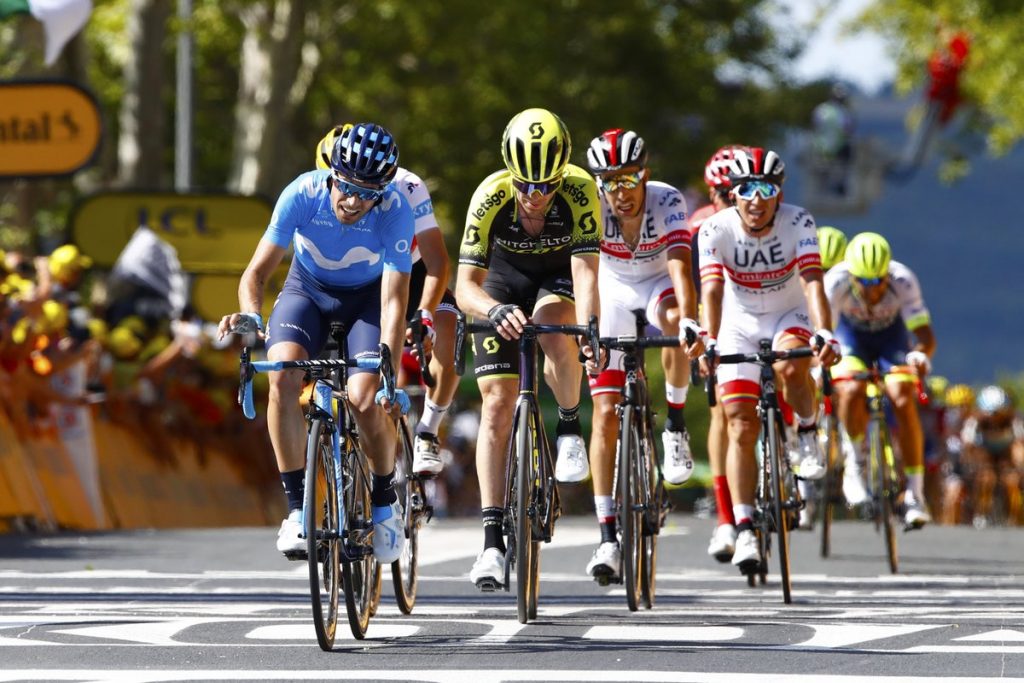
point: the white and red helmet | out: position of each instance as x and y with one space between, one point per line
716 171
615 149
757 163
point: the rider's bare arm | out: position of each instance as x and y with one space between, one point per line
435 258
394 297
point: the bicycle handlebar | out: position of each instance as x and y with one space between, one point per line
462 327
763 357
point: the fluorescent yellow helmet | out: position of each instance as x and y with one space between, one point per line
868 255
536 146
959 396
832 245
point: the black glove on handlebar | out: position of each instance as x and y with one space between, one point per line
499 313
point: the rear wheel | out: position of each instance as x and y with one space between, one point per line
654 493
362 572
630 513
404 573
525 546
779 509
323 546
831 484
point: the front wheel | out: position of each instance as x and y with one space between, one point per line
630 512
779 508
654 493
887 489
525 546
323 547
831 485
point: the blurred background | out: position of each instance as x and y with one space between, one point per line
143 143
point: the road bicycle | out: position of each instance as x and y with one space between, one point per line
641 502
777 501
336 514
531 495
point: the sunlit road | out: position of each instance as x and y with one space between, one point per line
221 605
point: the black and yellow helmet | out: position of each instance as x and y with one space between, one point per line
326 146
536 146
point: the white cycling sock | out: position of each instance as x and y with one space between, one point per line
431 418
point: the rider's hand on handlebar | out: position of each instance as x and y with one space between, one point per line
508 320
427 324
700 337
240 323
592 364
709 360
919 361
827 348
400 406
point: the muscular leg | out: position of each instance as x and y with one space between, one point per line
285 422
498 400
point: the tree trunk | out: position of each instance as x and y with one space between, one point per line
270 72
141 141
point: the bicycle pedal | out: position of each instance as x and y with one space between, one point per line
488 584
750 567
296 555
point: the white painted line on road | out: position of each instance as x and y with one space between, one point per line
968 649
447 676
501 632
306 633
152 633
1002 635
844 635
665 634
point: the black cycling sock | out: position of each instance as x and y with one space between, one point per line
608 532
294 484
569 421
675 422
493 537
745 526
383 490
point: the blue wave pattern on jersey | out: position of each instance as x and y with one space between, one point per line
335 254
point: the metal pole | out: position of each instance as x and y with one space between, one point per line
183 116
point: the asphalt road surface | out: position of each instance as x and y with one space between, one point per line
222 605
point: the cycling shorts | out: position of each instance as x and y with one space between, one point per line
888 347
417 280
742 332
305 309
494 356
618 301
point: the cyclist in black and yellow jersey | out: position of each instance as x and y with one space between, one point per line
530 250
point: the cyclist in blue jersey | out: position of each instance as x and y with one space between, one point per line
352 231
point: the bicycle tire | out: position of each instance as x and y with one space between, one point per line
888 489
405 570
523 523
779 510
830 484
654 495
630 513
323 547
361 574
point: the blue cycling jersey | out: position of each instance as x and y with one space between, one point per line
335 254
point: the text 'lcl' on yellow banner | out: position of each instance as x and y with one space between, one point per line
47 128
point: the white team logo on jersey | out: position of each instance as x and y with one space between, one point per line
352 257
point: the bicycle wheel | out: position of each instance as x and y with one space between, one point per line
524 545
360 571
323 547
888 492
404 570
778 506
830 485
630 511
654 497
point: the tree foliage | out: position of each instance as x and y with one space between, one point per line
990 83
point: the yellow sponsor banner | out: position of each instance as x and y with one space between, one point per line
213 233
217 295
47 128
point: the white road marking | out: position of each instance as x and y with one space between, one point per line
667 634
306 633
845 635
1003 635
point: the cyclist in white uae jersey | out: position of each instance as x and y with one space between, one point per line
761 278
429 296
645 264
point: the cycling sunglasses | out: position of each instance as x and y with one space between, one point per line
348 189
869 281
625 181
750 188
543 188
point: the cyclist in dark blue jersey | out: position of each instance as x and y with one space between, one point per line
352 232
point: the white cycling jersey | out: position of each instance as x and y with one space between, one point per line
415 190
902 298
663 227
761 274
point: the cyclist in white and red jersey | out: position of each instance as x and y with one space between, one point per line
645 265
878 305
723 539
429 297
761 278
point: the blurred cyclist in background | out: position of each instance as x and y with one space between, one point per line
993 444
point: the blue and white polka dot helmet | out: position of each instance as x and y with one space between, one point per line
366 153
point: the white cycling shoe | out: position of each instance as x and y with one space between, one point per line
604 565
806 457
288 540
723 543
915 515
572 465
426 456
678 466
747 555
488 572
388 532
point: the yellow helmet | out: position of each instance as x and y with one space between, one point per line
868 255
326 146
66 262
959 396
536 146
832 245
937 386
